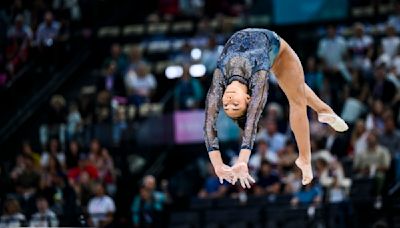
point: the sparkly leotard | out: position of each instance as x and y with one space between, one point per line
247 57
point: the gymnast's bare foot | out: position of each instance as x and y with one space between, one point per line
306 171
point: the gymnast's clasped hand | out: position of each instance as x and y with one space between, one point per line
238 172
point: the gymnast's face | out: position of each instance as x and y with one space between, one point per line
235 101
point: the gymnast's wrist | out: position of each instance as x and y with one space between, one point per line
244 156
215 158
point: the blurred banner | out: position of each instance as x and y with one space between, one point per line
183 127
295 11
189 126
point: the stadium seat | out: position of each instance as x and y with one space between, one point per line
197 203
109 31
159 46
226 203
182 26
157 28
133 30
184 219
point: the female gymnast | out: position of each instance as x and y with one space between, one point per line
240 87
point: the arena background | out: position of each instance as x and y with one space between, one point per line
102 115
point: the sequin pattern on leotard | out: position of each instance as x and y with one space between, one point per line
247 58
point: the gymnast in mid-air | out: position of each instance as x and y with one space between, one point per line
240 87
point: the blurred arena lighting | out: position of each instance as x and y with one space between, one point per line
173 72
195 53
197 70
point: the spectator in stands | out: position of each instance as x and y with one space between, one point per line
188 91
395 64
356 94
148 205
382 88
26 184
101 159
270 134
101 208
210 55
47 32
57 111
19 37
140 85
373 162
84 167
361 48
287 156
358 140
12 216
292 181
184 55
332 50
73 154
56 119
119 124
102 109
390 43
44 217
117 56
310 194
136 58
111 80
313 75
63 199
374 120
86 108
331 176
212 187
336 186
262 153
268 182
74 121
19 7
28 151
390 136
394 19
55 151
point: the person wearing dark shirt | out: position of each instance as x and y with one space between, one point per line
268 182
382 88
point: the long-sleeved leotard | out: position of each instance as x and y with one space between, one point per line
247 58
258 87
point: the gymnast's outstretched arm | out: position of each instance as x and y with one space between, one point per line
213 105
258 87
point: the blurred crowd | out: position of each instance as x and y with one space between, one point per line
71 180
38 28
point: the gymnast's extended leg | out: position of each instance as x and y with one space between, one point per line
289 73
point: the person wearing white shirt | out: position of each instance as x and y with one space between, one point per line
101 207
140 84
12 216
44 217
332 50
53 151
390 43
262 153
361 48
275 139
